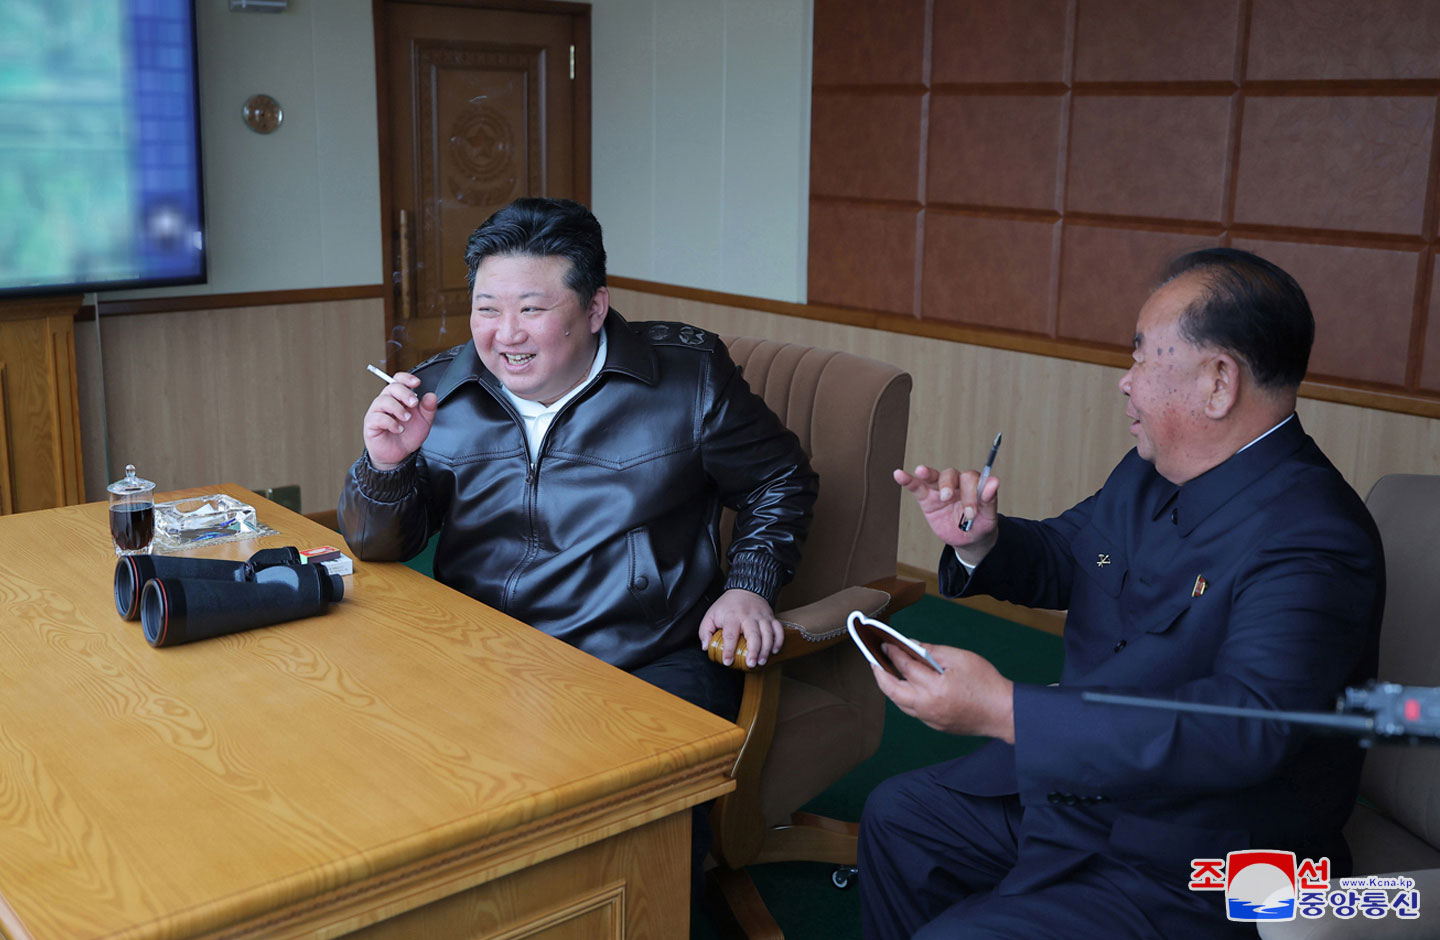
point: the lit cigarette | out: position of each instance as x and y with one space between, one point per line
388 379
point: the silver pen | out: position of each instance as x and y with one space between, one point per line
980 489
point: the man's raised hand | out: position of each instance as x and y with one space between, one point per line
398 422
946 497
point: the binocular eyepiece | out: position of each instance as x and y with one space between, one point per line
179 600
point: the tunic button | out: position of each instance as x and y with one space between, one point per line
641 583
1053 797
1119 645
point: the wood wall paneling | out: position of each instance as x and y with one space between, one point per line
41 462
1063 420
1430 373
264 396
1130 131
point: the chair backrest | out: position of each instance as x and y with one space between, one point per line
850 414
1404 782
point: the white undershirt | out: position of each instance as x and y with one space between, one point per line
537 418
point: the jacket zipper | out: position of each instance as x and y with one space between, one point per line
532 489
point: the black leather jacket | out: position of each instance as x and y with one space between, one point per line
609 540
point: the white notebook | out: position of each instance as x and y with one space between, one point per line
868 634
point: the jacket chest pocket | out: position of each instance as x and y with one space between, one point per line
1147 600
1102 559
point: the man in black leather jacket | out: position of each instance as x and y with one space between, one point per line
575 465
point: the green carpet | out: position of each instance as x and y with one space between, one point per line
800 895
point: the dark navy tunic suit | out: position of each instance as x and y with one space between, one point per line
1259 583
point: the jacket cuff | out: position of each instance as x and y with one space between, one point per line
385 486
756 572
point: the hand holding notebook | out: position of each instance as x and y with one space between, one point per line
869 634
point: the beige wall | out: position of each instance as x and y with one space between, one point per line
1062 420
260 396
299 208
701 146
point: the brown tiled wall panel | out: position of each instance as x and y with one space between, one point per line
1347 163
869 43
1362 299
1060 152
1156 40
1430 372
1150 156
987 150
988 272
865 146
1106 274
1313 40
1015 41
862 256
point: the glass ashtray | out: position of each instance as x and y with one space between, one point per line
203 518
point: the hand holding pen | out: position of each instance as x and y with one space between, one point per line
952 501
969 519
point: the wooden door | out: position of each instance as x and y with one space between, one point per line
40 461
481 103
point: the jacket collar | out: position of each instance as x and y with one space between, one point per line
628 354
1198 499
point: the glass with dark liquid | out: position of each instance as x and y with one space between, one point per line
132 514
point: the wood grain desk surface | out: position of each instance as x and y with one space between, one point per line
177 792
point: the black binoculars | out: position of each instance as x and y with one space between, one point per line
179 600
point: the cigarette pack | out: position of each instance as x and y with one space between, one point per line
331 557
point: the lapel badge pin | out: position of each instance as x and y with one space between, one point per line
1102 561
1200 585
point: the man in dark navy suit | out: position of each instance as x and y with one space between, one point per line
1224 561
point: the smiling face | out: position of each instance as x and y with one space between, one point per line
1169 386
530 328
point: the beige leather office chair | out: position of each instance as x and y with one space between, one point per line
813 712
1396 827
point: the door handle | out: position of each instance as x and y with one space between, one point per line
405 308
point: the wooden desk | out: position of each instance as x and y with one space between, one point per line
410 764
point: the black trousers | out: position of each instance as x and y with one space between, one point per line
931 858
691 675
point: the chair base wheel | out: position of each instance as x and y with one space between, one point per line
842 876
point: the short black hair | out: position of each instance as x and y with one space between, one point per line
541 228
1251 309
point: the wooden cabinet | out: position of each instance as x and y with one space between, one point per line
40 463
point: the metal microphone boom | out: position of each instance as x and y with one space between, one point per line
1384 712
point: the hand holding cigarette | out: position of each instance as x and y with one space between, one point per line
398 421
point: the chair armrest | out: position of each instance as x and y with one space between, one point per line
811 628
